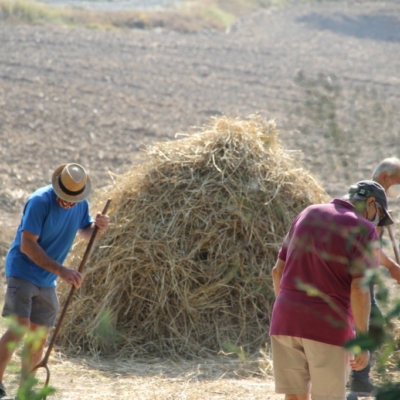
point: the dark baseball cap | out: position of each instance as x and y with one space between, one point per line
364 189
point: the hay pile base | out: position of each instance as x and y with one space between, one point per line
184 270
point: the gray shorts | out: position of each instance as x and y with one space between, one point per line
26 300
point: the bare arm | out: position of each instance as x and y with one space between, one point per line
277 272
31 248
101 222
391 265
360 299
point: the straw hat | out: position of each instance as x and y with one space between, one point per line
71 183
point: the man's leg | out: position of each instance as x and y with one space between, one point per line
329 369
33 350
291 372
43 315
39 309
17 304
9 342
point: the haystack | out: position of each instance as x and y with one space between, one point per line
196 226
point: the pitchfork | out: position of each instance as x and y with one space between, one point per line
43 363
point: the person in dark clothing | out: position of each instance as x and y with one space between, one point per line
387 174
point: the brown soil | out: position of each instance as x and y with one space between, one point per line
97 97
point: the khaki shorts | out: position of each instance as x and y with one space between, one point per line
26 300
305 366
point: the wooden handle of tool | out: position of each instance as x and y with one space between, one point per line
395 248
92 239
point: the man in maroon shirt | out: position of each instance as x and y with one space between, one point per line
320 296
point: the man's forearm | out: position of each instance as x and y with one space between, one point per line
360 306
390 265
386 261
277 272
33 250
101 222
87 232
276 276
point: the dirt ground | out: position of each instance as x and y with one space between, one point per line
97 97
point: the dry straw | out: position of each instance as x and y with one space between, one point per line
184 270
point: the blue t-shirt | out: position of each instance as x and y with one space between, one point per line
56 228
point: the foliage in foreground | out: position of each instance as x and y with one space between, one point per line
382 338
30 390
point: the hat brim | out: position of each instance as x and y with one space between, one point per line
64 196
387 219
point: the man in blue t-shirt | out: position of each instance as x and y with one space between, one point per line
51 218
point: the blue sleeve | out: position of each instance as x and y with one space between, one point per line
86 218
34 216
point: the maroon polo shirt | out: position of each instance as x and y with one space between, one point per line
327 246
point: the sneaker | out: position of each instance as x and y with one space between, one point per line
361 388
2 390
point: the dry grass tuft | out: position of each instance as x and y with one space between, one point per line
185 268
